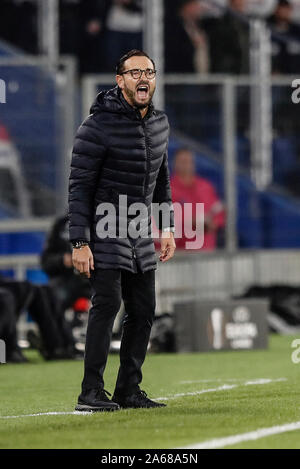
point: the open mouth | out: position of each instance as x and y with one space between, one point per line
142 91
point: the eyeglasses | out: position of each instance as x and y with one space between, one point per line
136 73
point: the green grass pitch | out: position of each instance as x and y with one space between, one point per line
189 418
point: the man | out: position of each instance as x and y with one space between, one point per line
19 24
285 40
187 187
92 18
120 151
228 39
186 45
56 260
8 328
123 28
38 300
67 287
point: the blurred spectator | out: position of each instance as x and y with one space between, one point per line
109 29
187 187
186 51
14 195
7 20
8 328
186 48
67 286
285 40
228 38
70 26
92 15
124 26
195 42
18 24
56 339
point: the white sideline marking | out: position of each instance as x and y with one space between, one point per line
250 436
217 380
44 413
224 387
264 381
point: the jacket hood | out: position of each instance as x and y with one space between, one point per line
113 101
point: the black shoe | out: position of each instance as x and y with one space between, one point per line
34 340
56 354
138 400
16 356
95 400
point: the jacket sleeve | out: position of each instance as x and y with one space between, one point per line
162 195
87 159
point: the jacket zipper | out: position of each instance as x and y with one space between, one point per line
147 171
133 253
147 160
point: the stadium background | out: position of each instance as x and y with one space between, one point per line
239 121
215 115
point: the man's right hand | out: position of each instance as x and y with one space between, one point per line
83 260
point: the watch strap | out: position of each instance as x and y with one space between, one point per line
79 244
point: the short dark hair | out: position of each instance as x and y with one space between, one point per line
284 3
131 53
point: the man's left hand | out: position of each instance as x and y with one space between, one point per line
167 246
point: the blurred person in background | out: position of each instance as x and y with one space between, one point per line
8 328
123 29
229 45
228 39
8 20
70 29
92 17
19 24
186 45
187 187
186 51
196 42
109 29
54 341
56 260
285 39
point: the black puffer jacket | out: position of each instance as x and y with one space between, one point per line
116 152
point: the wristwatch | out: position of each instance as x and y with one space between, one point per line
168 229
79 244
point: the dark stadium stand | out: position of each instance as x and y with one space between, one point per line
32 120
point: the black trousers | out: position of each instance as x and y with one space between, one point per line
138 293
